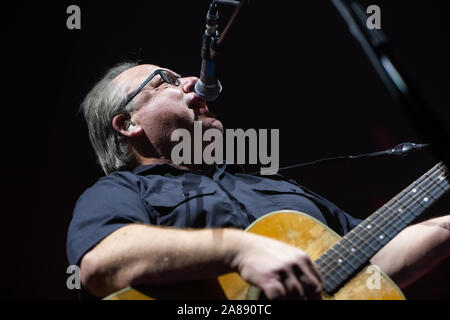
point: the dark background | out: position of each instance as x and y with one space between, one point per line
291 67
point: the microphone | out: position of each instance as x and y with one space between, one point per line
208 87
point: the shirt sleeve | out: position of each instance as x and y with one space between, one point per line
110 204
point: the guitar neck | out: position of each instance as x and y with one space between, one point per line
358 246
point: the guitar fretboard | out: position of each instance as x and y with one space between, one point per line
358 246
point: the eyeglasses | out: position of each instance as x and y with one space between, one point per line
165 75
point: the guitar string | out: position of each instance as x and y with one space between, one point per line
378 215
332 255
350 262
341 249
378 219
331 258
353 260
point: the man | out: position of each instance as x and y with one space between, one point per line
150 221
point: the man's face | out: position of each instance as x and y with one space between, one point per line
162 107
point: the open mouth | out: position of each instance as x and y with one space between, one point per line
197 103
205 113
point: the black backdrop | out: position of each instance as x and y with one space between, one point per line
294 68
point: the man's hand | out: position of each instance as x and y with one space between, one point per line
280 270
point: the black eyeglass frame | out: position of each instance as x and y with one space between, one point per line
162 73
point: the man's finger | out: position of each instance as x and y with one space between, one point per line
294 288
309 281
273 290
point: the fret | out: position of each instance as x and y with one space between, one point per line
431 193
341 273
352 263
355 237
443 190
352 254
376 227
436 180
330 283
399 224
388 226
429 197
354 248
417 197
387 221
333 257
399 208
420 190
330 259
341 259
415 206
338 276
444 182
375 241
363 241
413 196
326 261
340 262
382 237
385 235
405 212
392 227
360 244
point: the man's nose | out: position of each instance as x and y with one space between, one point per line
188 84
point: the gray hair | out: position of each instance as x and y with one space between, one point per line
101 105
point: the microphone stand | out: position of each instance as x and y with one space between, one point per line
215 41
375 45
209 87
218 45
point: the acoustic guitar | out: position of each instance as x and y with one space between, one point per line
342 261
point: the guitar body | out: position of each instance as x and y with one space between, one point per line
294 228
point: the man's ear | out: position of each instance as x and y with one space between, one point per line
123 124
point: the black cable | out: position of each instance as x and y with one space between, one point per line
402 149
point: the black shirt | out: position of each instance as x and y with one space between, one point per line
166 196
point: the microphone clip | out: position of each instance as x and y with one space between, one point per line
209 87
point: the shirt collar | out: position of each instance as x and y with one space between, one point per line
158 168
162 168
